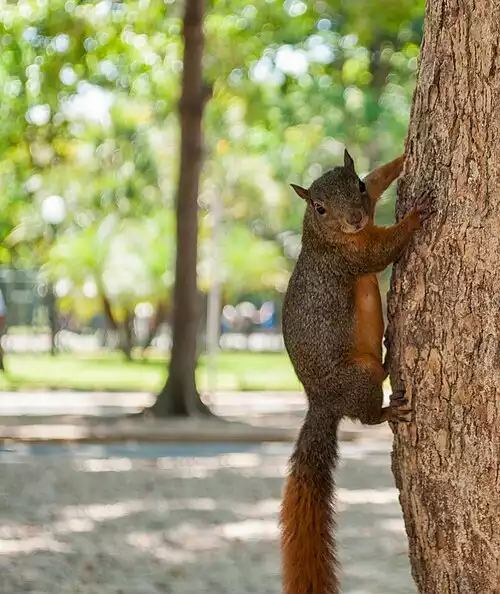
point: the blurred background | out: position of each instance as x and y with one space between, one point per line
89 160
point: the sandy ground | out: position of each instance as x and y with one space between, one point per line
96 417
156 519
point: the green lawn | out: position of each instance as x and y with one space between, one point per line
109 371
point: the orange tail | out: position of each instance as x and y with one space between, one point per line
307 514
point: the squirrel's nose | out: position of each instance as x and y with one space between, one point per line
355 217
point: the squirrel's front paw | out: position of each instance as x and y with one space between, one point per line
425 205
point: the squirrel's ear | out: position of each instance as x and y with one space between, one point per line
348 162
302 192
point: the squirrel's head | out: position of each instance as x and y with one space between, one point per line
339 199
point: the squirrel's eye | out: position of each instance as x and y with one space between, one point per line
362 187
319 209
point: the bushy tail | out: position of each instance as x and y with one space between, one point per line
307 514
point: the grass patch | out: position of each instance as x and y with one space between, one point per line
109 371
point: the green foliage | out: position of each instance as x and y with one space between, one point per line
236 371
247 262
88 104
127 260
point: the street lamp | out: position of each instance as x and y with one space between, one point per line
53 211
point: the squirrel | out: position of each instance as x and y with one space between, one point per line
333 330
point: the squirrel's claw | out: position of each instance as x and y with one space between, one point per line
425 205
398 398
401 415
400 408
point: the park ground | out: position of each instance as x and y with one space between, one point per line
155 519
175 515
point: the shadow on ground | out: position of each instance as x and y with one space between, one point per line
156 518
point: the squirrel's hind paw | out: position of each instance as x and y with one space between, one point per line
400 408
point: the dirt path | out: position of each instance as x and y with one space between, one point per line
179 519
95 417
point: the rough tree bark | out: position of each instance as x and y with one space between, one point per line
444 306
179 395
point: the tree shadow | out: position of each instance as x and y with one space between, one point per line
142 519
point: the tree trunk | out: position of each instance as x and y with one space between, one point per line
3 330
123 331
126 333
179 395
444 307
159 317
53 318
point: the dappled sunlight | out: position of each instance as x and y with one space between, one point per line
176 545
195 504
251 530
153 544
248 464
105 465
26 538
367 496
182 543
194 537
395 525
32 544
260 509
360 450
103 512
245 463
45 432
184 521
70 525
240 460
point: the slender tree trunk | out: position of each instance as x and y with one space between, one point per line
159 317
179 395
53 321
3 330
126 332
111 323
111 328
122 331
444 307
